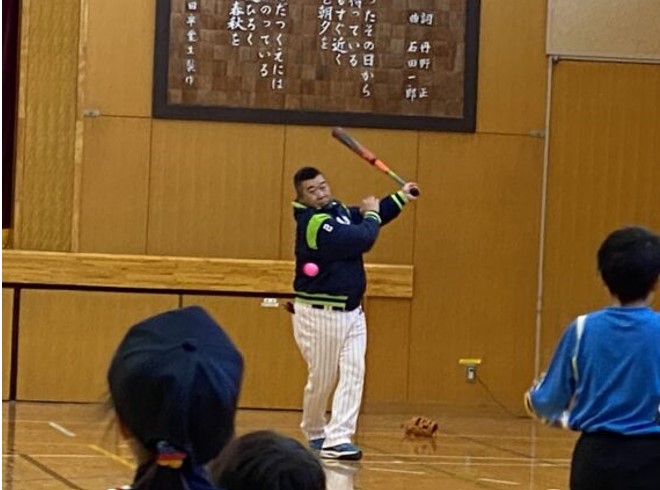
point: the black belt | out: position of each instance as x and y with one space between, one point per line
328 307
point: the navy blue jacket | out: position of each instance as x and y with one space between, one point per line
334 238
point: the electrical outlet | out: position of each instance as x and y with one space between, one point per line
270 303
470 364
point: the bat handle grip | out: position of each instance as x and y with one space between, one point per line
414 191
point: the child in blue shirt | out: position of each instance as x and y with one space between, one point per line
604 377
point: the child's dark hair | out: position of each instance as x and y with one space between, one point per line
266 460
629 263
303 174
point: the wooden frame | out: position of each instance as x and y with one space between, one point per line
177 274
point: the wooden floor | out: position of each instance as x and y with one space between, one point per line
64 446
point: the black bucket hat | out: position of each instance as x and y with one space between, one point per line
174 382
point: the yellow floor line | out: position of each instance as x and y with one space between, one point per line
113 456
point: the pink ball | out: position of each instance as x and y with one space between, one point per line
310 269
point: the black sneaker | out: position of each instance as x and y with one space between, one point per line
341 451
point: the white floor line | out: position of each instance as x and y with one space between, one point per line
52 444
503 482
472 463
61 429
34 455
475 458
398 471
440 435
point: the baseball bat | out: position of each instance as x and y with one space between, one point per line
367 155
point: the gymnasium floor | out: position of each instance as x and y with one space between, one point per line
72 446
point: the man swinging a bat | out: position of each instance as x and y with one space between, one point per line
328 322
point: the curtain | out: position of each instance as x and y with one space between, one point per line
10 26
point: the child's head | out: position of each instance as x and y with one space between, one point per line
629 263
265 460
174 382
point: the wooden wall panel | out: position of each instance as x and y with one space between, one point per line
119 57
7 323
224 190
44 192
604 173
67 339
215 190
388 338
476 251
352 179
115 185
512 67
275 373
604 28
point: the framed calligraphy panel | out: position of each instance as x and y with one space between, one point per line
367 63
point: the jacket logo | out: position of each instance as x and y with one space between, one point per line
328 227
343 220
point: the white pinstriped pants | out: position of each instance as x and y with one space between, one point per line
332 343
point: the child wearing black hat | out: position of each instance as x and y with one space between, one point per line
174 383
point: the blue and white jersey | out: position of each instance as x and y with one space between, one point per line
608 377
334 238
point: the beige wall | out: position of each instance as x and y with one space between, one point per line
7 319
138 185
604 28
475 256
604 173
67 339
275 372
46 125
